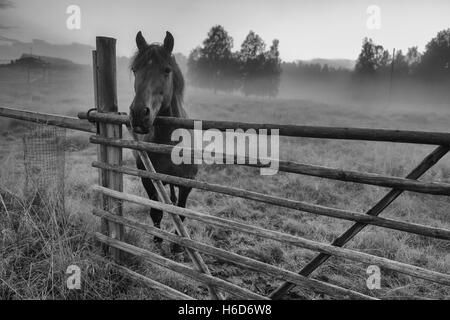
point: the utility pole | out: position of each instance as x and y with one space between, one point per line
28 73
28 65
392 76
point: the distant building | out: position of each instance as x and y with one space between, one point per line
35 61
30 61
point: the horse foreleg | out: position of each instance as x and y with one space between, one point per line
155 214
173 194
183 194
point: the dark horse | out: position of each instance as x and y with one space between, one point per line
159 87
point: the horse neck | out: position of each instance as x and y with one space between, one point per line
176 110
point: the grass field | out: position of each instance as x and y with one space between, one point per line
37 246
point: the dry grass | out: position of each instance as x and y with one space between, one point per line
38 245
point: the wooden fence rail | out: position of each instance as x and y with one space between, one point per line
231 257
48 119
180 268
159 288
428 162
284 238
362 134
283 202
365 134
292 167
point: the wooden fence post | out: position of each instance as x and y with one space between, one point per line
105 85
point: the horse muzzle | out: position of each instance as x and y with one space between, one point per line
140 120
140 130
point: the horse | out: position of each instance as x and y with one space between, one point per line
159 90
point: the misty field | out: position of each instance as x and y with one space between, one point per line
36 249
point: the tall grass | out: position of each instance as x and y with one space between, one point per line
39 241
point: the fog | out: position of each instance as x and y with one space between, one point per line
68 90
400 94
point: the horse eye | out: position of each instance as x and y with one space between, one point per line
167 70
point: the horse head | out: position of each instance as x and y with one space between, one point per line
156 75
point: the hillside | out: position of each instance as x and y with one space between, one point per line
76 52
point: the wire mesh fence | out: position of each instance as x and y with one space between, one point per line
44 162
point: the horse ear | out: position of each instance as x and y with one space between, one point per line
168 42
140 41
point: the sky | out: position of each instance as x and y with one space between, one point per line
306 29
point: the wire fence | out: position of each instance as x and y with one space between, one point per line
44 162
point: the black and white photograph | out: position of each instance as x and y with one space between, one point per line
163 151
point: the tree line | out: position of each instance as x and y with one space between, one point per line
257 71
314 72
252 70
432 65
377 63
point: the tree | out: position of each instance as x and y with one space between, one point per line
435 62
213 65
252 47
401 66
218 59
413 58
383 62
251 60
217 46
371 59
272 69
195 74
254 70
260 69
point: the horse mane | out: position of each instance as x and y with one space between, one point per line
156 52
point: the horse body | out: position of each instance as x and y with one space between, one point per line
163 162
159 87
